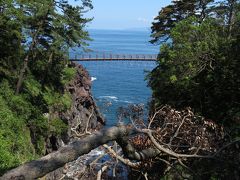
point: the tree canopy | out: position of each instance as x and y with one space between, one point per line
198 67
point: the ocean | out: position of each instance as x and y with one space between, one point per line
119 83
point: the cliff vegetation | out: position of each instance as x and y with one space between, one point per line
34 40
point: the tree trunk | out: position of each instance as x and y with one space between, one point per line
38 168
49 65
231 16
55 160
203 7
22 73
26 60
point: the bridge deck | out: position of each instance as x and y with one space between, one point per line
113 57
108 59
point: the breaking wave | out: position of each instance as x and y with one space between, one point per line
114 98
93 78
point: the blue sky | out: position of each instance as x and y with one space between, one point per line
124 14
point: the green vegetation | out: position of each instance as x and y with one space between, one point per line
198 66
15 138
34 40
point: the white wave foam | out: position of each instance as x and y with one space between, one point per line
129 102
93 78
114 98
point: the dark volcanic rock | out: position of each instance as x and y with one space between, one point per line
84 110
83 113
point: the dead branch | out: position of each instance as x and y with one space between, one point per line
123 160
86 132
172 153
179 136
99 174
86 128
151 119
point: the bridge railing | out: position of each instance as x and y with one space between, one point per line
104 56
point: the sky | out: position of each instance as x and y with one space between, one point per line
124 14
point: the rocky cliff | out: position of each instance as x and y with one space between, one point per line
82 118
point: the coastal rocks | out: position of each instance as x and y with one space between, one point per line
83 118
84 115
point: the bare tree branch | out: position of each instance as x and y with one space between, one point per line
123 160
86 132
99 174
172 153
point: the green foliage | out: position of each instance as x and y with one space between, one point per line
58 127
57 101
33 87
10 43
194 70
170 15
15 140
18 104
68 75
66 101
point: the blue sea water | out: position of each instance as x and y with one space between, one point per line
119 83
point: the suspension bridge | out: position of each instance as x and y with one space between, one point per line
114 57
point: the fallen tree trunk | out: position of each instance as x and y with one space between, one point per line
38 168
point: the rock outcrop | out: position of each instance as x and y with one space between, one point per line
82 118
84 114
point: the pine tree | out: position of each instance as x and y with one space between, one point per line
51 26
10 40
174 13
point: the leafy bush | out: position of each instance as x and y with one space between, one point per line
23 128
58 127
15 139
57 101
68 74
